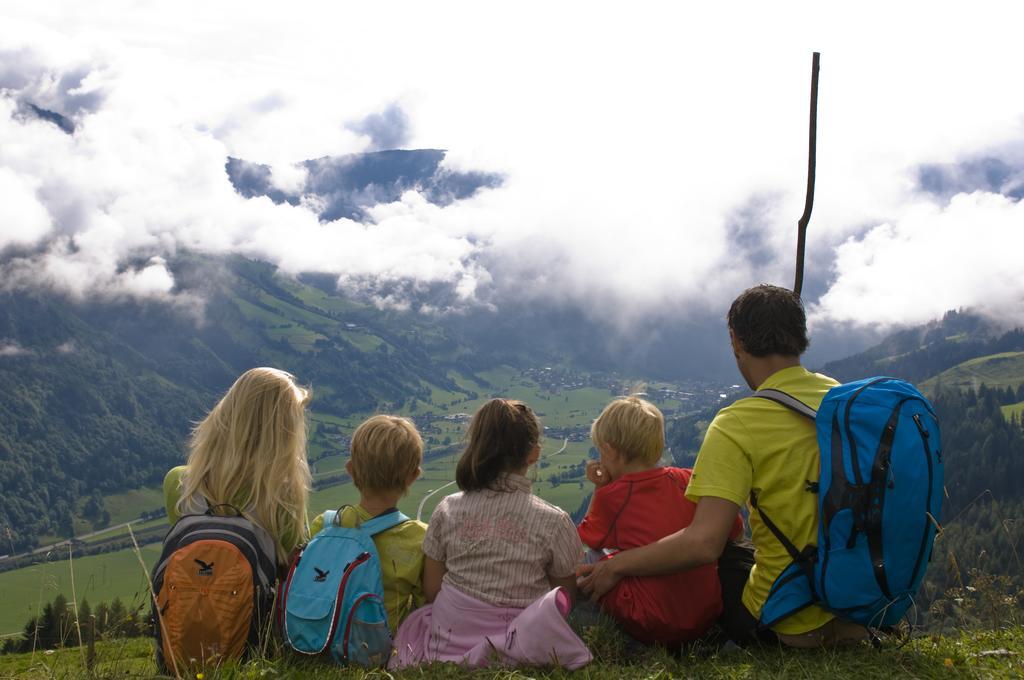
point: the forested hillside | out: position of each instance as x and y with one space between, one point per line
100 397
983 513
919 353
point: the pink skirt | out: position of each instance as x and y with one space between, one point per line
460 628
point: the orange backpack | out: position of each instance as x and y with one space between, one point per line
214 584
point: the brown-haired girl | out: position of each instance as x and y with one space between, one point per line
494 551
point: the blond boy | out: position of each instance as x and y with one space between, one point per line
386 455
637 502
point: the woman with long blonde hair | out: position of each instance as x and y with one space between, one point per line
249 452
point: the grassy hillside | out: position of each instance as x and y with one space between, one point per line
1005 369
1013 410
988 654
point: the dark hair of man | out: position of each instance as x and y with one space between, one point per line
501 436
769 320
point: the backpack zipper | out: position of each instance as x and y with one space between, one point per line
337 599
285 587
849 435
928 501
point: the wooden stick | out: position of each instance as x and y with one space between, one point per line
812 148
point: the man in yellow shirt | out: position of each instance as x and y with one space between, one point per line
756 446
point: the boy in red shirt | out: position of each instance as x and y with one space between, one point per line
637 502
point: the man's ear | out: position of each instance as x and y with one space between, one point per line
348 467
414 476
737 346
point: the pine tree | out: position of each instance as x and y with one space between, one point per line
102 618
118 618
48 628
84 612
30 635
63 619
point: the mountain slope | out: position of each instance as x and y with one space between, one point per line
918 353
1005 369
99 397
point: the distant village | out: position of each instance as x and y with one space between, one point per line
675 400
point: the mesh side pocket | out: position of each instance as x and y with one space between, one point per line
368 639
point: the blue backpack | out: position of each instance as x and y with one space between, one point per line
333 597
879 498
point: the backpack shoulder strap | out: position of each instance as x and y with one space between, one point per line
381 523
789 401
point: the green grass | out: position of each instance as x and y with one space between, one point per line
996 370
97 578
350 422
366 342
318 299
126 506
293 312
256 313
330 465
299 337
571 408
1013 410
123 531
960 655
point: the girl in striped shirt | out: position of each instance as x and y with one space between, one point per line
491 551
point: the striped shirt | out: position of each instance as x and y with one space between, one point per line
501 547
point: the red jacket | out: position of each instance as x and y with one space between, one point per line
633 511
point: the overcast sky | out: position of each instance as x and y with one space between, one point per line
653 155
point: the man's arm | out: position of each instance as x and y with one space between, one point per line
698 544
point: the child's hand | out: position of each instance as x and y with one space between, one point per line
596 473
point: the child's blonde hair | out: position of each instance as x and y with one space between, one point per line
632 426
386 453
250 452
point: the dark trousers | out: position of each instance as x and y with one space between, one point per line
736 622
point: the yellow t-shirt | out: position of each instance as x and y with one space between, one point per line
760 445
401 561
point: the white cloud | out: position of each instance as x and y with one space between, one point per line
932 259
23 220
289 178
629 139
10 348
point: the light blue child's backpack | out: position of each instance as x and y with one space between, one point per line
332 598
879 498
